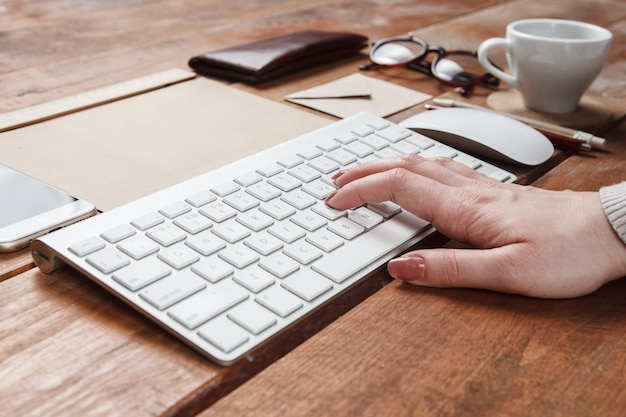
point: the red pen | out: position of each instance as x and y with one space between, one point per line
566 143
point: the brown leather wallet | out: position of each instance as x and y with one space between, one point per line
271 58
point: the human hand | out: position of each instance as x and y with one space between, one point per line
541 243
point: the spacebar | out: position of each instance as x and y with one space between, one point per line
366 249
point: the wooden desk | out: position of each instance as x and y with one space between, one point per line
68 348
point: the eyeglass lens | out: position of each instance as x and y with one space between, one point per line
397 52
457 68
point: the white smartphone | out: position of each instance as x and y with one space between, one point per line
30 208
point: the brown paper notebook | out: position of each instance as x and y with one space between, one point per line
117 152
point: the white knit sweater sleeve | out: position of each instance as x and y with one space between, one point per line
613 199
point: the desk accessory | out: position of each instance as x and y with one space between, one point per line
562 135
552 61
239 254
22 117
274 57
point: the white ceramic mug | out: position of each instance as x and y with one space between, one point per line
552 61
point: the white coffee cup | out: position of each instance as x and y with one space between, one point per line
552 61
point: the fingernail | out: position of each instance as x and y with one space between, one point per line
330 197
410 269
337 175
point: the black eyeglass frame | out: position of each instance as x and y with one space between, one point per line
420 64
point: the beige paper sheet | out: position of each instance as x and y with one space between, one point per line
118 152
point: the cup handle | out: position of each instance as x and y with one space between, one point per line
483 58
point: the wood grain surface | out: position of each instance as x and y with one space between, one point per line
68 348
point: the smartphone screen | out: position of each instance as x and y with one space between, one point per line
29 208
22 197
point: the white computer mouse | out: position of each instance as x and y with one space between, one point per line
483 133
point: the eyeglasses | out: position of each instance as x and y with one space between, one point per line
454 68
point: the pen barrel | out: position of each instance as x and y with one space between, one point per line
565 143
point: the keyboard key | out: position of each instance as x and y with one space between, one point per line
345 228
138 247
248 179
178 256
309 153
225 188
394 133
264 191
405 147
252 317
172 289
142 273
218 211
174 210
386 209
205 243
302 252
308 220
287 232
363 130
118 233
264 243
279 301
350 259
325 240
307 286
213 269
365 217
254 278
318 189
207 304
231 231
284 182
305 173
359 149
278 209
147 221
270 170
193 223
279 265
342 157
330 213
87 246
166 234
108 260
201 198
469 161
345 137
376 142
241 201
299 199
239 255
324 164
423 142
223 334
255 220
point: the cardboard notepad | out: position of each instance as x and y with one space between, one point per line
117 152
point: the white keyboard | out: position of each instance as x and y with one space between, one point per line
228 259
